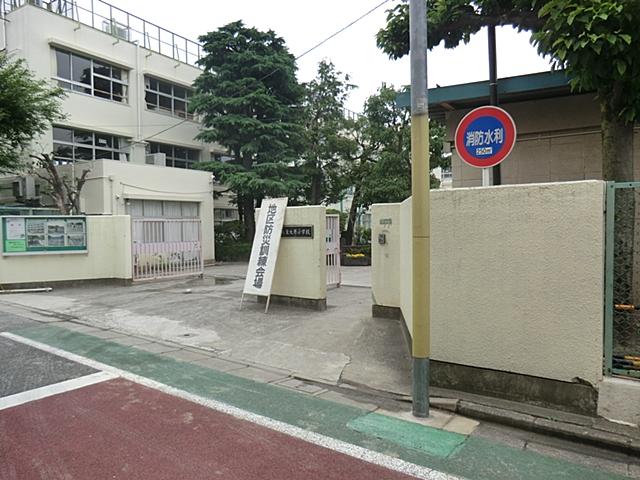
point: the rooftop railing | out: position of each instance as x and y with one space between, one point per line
122 25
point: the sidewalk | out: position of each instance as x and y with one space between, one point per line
447 443
341 345
324 355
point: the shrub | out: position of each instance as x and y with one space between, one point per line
358 249
233 252
228 232
230 245
362 236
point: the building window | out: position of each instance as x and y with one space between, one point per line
225 214
89 76
221 157
178 157
70 145
162 209
167 97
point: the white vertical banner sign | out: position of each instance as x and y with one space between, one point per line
264 251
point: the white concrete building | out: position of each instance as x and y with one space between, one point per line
128 85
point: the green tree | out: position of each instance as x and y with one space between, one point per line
249 101
329 140
387 127
381 172
27 108
596 41
454 21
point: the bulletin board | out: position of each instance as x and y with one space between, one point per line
39 234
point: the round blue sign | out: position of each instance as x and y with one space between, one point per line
485 136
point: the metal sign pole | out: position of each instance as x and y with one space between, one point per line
420 219
486 177
493 91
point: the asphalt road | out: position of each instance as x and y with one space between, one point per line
10 321
120 430
53 428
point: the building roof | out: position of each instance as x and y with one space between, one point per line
533 86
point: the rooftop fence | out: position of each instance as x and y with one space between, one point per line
123 25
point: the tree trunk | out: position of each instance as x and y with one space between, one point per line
351 221
248 205
617 138
617 165
316 188
249 213
240 211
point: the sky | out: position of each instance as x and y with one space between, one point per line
303 23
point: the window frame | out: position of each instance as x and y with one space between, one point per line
90 88
158 92
170 159
117 149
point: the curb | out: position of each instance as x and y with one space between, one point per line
537 424
568 431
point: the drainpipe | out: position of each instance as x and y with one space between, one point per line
111 194
26 290
138 94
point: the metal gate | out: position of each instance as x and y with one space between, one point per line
622 280
166 248
334 276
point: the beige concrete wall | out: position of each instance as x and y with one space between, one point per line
108 257
386 257
558 140
517 277
111 184
301 269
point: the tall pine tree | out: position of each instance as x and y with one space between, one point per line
249 100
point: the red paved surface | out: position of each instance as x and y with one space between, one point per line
121 430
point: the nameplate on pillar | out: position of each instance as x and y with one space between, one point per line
297 231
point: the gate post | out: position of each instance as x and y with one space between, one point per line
610 214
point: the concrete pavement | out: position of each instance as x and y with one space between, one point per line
341 345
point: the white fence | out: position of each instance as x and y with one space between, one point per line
334 276
166 248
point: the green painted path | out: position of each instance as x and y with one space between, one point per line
470 457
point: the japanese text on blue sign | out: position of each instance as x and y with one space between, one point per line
484 137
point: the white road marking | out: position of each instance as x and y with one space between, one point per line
54 389
339 446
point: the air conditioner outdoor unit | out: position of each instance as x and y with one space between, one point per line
25 188
116 29
159 159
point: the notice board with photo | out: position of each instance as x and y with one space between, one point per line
40 235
